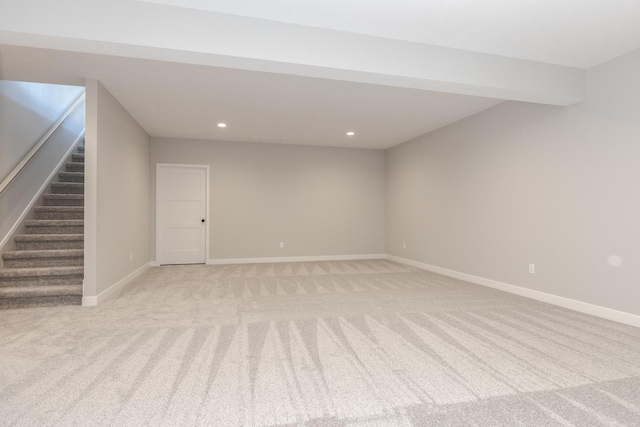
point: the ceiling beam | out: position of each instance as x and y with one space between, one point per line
168 33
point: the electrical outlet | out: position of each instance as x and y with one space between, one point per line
281 245
532 268
404 246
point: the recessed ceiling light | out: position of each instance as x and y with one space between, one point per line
350 133
222 125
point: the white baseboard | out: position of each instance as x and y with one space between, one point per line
571 304
582 307
154 264
114 289
294 259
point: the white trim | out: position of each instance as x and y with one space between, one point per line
294 259
44 186
154 264
114 289
571 304
206 203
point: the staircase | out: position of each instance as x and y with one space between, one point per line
46 267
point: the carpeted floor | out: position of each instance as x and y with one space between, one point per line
357 343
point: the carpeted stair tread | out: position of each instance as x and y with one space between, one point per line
68 184
40 291
71 176
41 276
47 237
49 301
43 257
48 241
51 253
64 196
67 188
59 208
80 148
74 167
53 222
64 200
55 226
78 158
59 212
41 272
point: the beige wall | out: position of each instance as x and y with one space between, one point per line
320 201
525 183
117 199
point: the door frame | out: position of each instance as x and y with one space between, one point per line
160 166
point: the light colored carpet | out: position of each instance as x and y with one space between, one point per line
358 343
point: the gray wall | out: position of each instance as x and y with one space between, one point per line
320 201
117 194
524 183
27 112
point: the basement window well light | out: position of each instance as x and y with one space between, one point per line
222 125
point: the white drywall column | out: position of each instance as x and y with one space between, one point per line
91 192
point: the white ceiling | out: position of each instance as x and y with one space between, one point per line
574 33
187 101
306 72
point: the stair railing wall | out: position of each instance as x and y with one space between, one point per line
20 191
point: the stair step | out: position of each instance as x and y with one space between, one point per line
67 188
59 212
40 296
43 258
71 176
40 291
55 226
46 268
41 276
12 303
74 167
64 199
41 272
25 242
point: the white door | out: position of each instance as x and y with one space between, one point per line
181 208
